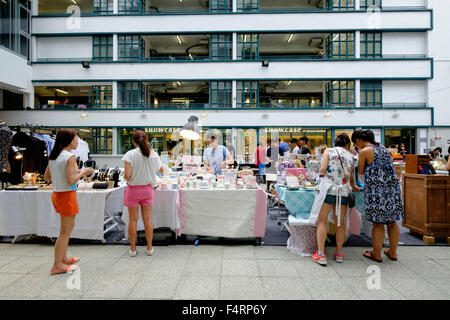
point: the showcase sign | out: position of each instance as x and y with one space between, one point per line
293 130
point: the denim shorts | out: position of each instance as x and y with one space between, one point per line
330 199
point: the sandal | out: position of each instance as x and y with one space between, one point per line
388 253
369 255
69 268
72 260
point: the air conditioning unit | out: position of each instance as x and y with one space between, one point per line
315 3
315 43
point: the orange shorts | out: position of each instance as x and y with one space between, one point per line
65 203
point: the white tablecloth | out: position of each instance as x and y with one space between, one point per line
223 213
165 212
32 212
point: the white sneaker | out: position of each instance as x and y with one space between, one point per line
132 253
150 252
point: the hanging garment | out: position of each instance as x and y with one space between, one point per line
82 151
5 144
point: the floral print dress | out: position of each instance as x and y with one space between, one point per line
383 197
335 173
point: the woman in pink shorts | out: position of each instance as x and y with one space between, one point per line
141 165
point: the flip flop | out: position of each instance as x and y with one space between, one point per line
69 268
371 257
73 260
387 252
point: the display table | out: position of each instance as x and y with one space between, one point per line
298 202
32 212
165 212
224 213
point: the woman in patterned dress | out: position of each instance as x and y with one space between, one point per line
383 198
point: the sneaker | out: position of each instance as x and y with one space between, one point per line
320 259
339 257
132 253
150 252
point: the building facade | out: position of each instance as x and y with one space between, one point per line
248 69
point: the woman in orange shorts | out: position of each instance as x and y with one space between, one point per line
63 171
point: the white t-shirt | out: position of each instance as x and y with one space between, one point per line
296 150
58 172
82 151
143 169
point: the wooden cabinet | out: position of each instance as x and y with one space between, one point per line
427 205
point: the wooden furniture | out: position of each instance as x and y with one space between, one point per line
413 161
427 205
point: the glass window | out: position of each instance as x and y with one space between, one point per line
340 45
341 5
100 97
247 94
220 94
371 93
131 48
131 6
102 48
101 141
220 6
221 47
341 93
103 7
365 4
247 5
371 45
248 46
131 94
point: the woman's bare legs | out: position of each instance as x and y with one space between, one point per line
148 223
321 231
394 237
340 231
377 240
132 227
67 224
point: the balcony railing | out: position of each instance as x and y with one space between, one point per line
201 106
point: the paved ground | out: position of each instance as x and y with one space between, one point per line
220 272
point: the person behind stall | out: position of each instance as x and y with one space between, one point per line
284 147
435 153
273 146
402 150
141 166
260 158
295 147
63 171
216 156
336 183
230 148
383 197
303 145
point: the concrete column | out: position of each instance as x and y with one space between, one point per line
234 5
357 44
115 137
234 93
115 6
115 95
34 7
357 5
115 47
357 93
33 50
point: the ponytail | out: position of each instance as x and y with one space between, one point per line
64 137
141 139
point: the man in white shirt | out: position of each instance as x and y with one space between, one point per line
216 156
295 147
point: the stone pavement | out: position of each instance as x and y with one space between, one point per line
220 272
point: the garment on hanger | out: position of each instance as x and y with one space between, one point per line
82 151
6 136
35 157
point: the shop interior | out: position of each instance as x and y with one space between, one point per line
292 45
291 94
73 97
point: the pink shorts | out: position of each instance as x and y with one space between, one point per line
138 195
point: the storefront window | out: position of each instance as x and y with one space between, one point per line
316 137
247 142
399 136
101 141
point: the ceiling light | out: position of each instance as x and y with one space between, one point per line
336 37
84 115
190 56
289 82
74 2
204 115
327 114
179 40
62 91
179 83
290 38
245 38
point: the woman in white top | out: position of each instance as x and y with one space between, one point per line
337 171
141 165
63 171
